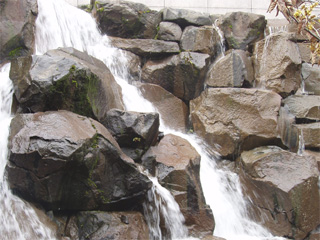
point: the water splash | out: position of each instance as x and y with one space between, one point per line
161 203
222 44
301 147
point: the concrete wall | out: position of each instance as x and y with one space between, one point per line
209 6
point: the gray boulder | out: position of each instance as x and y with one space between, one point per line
278 64
65 161
235 69
242 29
182 75
65 79
107 225
231 119
185 17
282 187
146 47
127 19
135 132
17 25
200 39
169 31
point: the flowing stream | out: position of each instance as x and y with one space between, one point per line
61 25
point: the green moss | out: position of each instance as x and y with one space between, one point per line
75 92
15 52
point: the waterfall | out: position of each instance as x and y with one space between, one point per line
18 220
61 25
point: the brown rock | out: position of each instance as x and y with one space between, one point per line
146 47
242 29
283 189
174 112
169 31
235 119
65 79
17 25
107 225
278 64
311 77
233 70
200 39
182 75
178 165
65 161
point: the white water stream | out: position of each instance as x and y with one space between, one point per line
61 25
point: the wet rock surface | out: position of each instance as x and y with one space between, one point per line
17 28
235 119
242 29
178 168
288 183
107 225
278 64
182 75
65 161
65 79
127 19
135 132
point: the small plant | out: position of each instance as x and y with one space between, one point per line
136 139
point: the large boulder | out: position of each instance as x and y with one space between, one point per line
283 189
235 69
65 79
235 119
200 39
146 47
65 161
242 29
169 31
182 75
311 78
107 225
173 111
17 28
135 132
178 168
185 17
127 19
278 64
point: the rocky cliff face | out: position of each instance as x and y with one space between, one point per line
245 104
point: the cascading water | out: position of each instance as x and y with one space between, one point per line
61 25
18 220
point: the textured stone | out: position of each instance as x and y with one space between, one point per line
169 31
107 225
65 79
242 29
135 132
233 70
185 17
146 47
65 161
278 64
17 25
311 77
174 112
127 19
182 75
235 119
200 39
178 168
283 190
